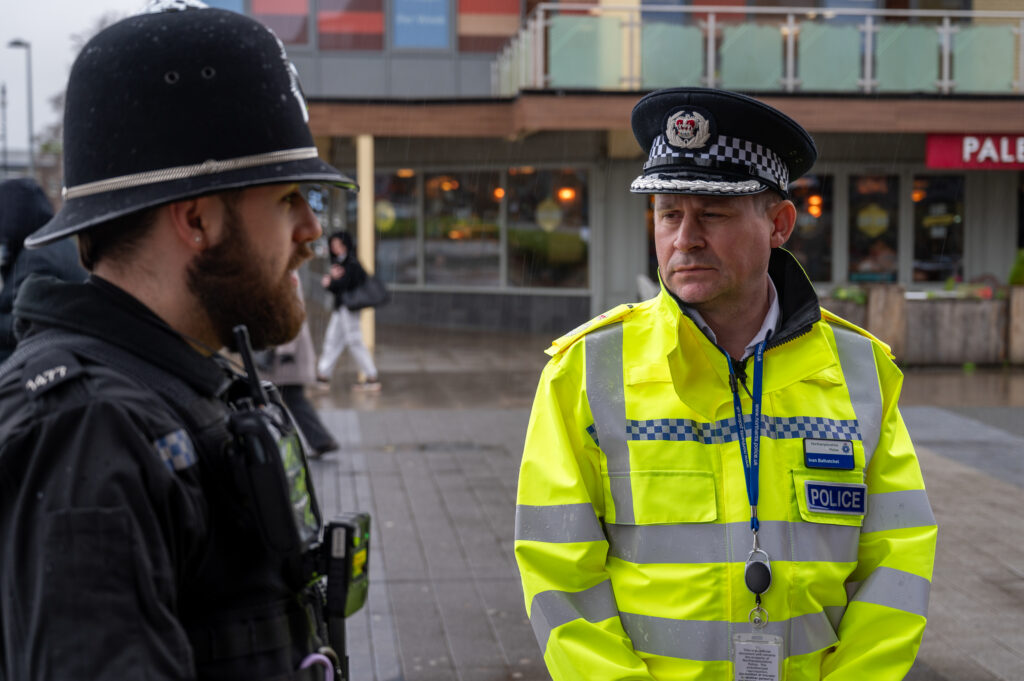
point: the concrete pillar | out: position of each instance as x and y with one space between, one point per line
887 316
1016 325
365 238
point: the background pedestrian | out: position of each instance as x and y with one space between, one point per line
343 331
24 208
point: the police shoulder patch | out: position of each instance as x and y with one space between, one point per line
616 313
52 368
176 450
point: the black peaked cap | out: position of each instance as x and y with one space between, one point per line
707 141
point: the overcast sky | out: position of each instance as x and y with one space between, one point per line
48 25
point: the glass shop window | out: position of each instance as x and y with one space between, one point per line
462 243
289 19
938 227
394 209
874 228
350 25
811 241
548 227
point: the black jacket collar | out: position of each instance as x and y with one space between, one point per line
799 308
101 309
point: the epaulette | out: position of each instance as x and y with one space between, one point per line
616 313
48 370
833 318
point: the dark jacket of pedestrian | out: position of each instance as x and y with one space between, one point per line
353 275
24 208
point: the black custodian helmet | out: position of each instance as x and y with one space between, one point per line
179 101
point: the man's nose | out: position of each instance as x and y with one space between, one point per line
308 229
689 235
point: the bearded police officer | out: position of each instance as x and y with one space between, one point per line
717 483
155 519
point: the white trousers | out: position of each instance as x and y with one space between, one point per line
343 331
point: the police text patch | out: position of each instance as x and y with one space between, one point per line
837 454
845 498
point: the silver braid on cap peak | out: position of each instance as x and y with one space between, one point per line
647 182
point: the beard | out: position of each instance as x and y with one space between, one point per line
234 289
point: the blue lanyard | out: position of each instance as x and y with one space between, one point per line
752 464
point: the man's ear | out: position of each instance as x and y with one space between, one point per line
197 222
783 218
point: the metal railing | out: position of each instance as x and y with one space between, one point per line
783 49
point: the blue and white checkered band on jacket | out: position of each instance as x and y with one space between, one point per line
727 153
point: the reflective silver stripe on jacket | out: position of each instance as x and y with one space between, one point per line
606 395
889 587
707 542
894 589
857 360
552 609
709 641
560 524
898 510
686 639
688 542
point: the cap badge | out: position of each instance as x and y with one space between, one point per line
687 130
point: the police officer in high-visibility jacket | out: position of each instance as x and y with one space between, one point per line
717 482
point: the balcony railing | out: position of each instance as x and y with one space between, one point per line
566 46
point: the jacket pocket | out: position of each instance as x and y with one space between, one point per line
663 497
831 497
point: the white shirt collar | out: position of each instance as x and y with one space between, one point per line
768 326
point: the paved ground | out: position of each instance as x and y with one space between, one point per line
434 457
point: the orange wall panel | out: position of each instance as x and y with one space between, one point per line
489 7
280 6
351 22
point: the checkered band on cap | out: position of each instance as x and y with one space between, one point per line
726 153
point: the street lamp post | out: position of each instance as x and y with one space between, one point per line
18 42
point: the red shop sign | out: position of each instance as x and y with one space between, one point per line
1001 152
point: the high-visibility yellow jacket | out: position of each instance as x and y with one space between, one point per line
633 523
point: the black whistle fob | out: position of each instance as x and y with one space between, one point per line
271 464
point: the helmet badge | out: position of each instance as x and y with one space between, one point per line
687 130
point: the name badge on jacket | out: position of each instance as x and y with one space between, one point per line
835 454
846 498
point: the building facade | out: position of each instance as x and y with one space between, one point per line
496 143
